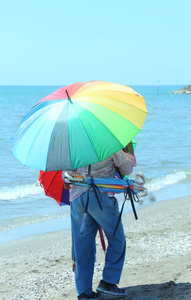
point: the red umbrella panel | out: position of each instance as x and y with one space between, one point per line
53 185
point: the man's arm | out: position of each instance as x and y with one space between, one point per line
124 162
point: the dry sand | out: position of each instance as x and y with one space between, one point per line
157 265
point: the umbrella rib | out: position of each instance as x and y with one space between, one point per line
86 91
51 182
31 146
118 101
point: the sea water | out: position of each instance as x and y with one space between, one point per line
163 156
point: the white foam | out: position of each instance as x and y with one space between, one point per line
170 179
20 192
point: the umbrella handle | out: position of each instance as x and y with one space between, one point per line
69 178
67 186
143 179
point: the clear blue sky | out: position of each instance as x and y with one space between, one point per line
129 42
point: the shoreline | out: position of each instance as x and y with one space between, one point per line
157 264
62 222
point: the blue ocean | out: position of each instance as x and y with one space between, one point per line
163 156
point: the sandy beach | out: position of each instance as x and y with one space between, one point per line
157 265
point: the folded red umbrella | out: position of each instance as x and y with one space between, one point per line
54 186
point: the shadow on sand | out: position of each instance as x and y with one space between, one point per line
168 290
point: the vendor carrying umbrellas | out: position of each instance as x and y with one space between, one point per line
100 209
84 126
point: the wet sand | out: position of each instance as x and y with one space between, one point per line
157 265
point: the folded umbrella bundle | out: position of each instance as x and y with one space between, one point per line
130 188
106 184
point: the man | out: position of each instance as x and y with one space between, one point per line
101 210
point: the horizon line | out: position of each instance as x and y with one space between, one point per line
46 85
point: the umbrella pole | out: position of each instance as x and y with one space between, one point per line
68 96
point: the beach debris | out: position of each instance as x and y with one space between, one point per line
152 198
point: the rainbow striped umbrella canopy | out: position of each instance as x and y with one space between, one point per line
78 125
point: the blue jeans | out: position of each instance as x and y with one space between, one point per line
84 244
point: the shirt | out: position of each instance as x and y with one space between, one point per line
123 161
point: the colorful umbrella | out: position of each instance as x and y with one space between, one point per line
79 125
